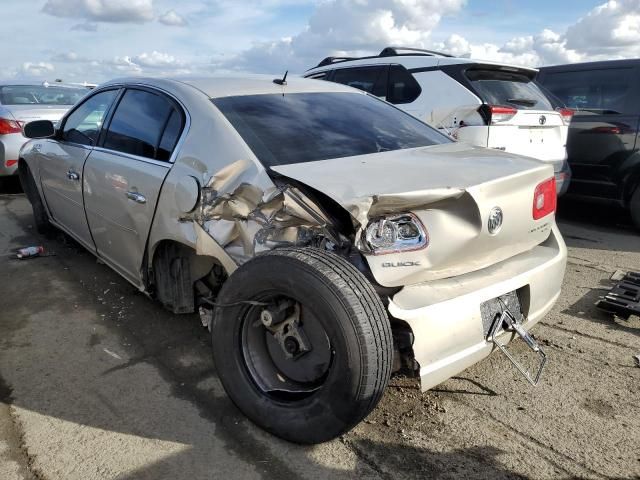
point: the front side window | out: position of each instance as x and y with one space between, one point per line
596 91
40 95
372 80
83 125
497 87
139 123
305 127
403 88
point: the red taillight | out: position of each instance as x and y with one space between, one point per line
493 114
9 126
566 114
545 199
10 163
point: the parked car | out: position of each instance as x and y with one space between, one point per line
603 138
23 102
299 220
482 103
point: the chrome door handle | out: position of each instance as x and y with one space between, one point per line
71 175
136 197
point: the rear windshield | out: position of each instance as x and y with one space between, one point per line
508 88
40 94
305 127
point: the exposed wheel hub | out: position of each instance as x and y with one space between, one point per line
286 348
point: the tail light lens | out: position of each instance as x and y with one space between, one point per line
398 233
493 114
10 163
9 126
566 114
545 199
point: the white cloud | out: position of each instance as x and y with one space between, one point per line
172 19
102 10
340 26
355 27
607 28
35 69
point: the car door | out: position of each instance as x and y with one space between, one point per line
61 162
125 173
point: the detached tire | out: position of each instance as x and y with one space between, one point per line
634 207
40 217
328 389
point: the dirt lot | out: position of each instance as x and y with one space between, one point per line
97 381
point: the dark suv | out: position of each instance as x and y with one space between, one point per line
603 136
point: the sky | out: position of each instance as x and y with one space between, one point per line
95 40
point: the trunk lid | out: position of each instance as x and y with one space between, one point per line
540 134
451 188
29 113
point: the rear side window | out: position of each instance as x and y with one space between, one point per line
403 88
372 80
144 124
305 127
84 123
598 91
512 89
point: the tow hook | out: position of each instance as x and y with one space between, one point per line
283 321
509 323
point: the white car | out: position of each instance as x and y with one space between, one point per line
482 103
320 232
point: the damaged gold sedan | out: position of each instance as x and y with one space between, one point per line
325 237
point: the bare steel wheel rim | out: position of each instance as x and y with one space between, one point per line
285 349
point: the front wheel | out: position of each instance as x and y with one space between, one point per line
302 343
634 207
40 217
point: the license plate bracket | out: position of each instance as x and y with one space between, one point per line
508 322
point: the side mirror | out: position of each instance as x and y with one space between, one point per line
39 129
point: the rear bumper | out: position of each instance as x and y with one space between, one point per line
445 317
9 150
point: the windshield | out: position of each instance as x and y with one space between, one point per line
508 88
40 94
305 127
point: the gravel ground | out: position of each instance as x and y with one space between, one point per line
97 381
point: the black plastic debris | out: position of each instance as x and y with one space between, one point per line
624 298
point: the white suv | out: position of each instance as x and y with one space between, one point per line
482 103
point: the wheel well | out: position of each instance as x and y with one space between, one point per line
175 269
632 185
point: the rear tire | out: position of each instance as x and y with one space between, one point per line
334 298
40 217
634 207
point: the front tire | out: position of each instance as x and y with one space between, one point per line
304 396
634 207
40 217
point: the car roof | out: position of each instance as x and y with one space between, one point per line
411 62
8 83
587 65
239 85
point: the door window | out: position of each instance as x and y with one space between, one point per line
84 124
403 88
599 91
145 124
370 79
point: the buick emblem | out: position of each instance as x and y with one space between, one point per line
495 220
542 120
